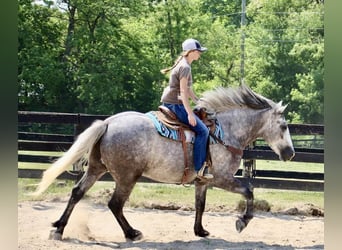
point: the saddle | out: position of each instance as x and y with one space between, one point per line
170 120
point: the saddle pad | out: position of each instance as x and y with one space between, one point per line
174 134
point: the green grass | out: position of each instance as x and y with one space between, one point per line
36 165
218 199
33 165
290 166
57 189
174 196
48 153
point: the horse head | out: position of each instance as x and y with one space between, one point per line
239 103
277 133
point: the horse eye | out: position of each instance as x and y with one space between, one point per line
283 127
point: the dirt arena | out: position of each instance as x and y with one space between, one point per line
94 227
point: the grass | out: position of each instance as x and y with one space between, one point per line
290 166
172 196
35 165
48 153
57 189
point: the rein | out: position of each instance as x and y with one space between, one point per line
232 149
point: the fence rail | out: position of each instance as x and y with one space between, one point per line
34 141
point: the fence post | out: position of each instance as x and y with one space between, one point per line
249 165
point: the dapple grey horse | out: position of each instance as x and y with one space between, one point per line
128 146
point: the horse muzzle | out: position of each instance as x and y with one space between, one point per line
286 154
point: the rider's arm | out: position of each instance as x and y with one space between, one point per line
193 95
185 95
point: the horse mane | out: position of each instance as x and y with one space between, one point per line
222 99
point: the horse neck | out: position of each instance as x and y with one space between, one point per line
242 126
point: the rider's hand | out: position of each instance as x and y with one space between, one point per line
192 119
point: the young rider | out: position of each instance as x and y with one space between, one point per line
176 97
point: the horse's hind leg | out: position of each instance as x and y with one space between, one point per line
116 204
95 170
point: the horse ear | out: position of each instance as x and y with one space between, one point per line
280 108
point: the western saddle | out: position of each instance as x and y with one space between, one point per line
169 118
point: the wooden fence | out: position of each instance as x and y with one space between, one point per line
35 141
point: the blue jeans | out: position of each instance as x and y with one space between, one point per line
201 131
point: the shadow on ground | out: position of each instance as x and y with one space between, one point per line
201 244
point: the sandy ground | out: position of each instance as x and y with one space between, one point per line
94 227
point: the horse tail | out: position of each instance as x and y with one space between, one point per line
79 150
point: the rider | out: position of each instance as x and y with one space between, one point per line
176 97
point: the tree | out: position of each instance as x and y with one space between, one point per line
285 52
40 74
110 75
105 57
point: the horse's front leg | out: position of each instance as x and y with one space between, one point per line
234 185
242 222
201 193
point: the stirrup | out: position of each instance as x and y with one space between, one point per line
203 172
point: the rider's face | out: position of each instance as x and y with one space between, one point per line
196 54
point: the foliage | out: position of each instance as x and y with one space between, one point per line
286 39
104 57
40 75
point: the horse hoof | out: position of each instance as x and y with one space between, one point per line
202 233
55 236
134 235
240 224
